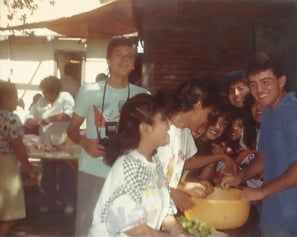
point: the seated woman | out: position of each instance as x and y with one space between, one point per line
12 154
135 199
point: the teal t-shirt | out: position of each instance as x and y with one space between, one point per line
88 104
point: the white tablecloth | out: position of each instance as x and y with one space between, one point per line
54 155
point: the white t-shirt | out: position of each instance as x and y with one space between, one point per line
43 109
88 100
173 156
135 192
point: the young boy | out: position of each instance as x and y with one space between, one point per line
100 103
191 104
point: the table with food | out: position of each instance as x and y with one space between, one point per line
64 150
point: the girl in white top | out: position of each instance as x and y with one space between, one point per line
135 199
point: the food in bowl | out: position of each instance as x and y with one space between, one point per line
223 209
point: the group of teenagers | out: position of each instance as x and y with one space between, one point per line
145 155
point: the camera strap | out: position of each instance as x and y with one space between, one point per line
103 100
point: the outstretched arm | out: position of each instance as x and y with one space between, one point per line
285 181
255 167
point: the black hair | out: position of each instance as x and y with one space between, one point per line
262 62
51 84
119 41
7 89
222 108
250 130
231 78
192 91
136 110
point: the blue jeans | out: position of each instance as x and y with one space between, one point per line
58 182
267 232
89 188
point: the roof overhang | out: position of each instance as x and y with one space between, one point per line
109 20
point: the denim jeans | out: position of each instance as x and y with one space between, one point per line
58 182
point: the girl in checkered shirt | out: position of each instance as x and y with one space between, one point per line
135 199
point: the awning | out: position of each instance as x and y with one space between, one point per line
111 19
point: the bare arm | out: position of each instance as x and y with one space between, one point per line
145 230
283 182
56 118
91 146
182 199
255 167
174 227
20 152
287 180
199 161
171 225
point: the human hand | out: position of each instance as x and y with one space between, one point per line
207 185
230 165
252 194
45 121
31 177
218 148
174 227
182 199
231 180
93 147
200 188
31 123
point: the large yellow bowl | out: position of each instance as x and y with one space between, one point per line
223 209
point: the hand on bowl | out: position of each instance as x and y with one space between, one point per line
198 189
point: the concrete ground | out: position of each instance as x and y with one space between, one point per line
54 223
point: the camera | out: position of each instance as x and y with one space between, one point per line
104 141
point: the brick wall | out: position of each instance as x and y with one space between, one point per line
206 39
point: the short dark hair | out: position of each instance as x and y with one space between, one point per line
119 41
261 61
51 84
192 91
231 78
222 108
7 89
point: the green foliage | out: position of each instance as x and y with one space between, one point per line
19 9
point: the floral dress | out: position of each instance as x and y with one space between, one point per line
12 204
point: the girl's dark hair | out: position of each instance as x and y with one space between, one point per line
232 78
138 109
7 89
222 108
51 84
119 41
250 130
192 91
248 103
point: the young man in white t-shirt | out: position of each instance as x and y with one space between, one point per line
99 104
191 104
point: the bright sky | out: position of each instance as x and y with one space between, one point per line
62 8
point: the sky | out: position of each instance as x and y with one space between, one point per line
62 8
